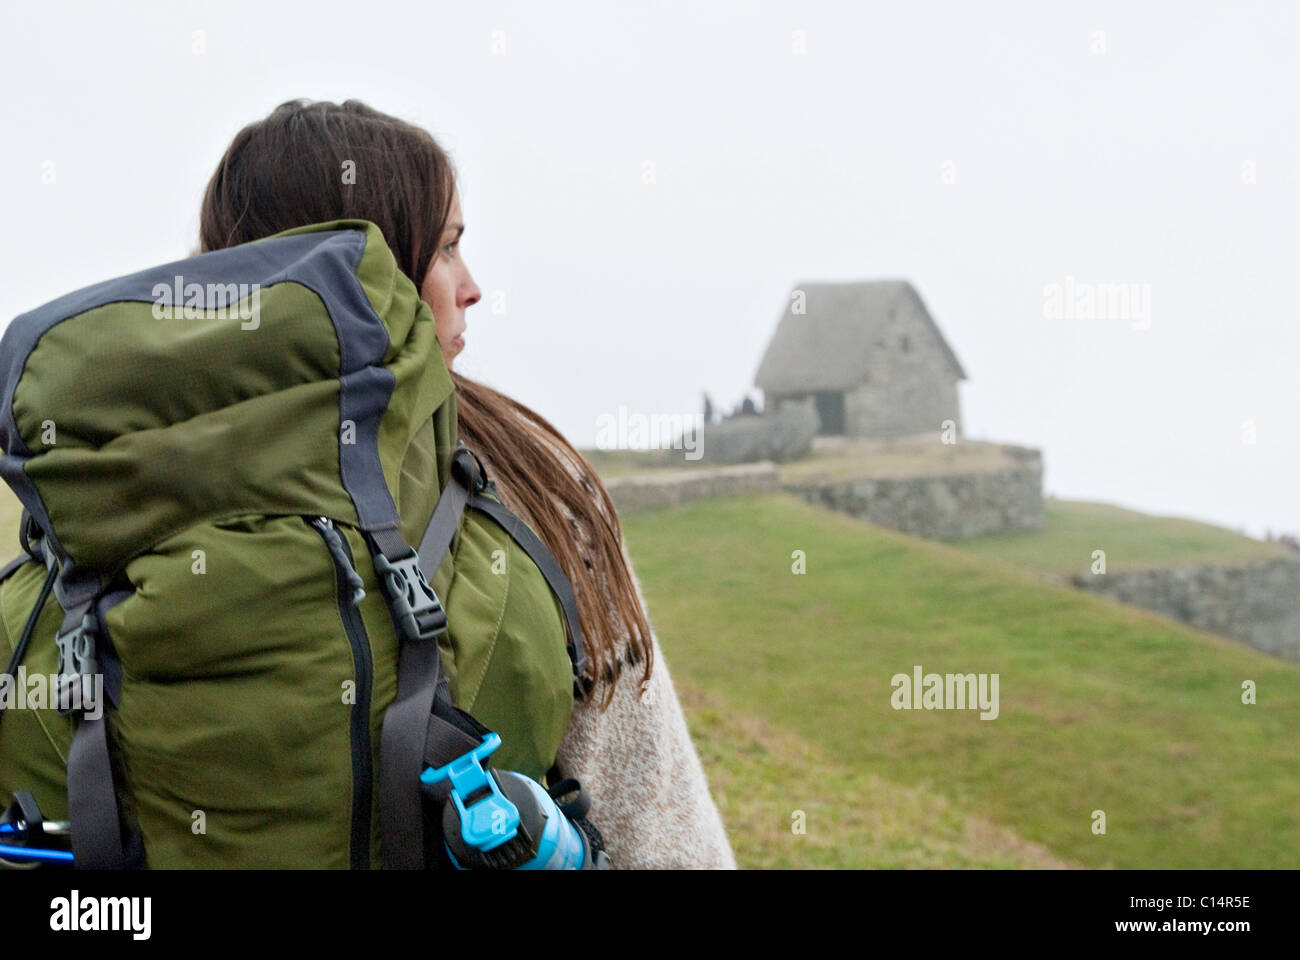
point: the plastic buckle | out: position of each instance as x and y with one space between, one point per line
77 667
467 464
491 819
416 608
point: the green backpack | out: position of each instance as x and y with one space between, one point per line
224 463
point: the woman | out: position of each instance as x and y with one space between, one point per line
627 743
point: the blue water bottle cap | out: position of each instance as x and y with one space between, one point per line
491 819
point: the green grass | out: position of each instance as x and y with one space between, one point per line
1072 530
610 464
844 459
852 818
832 459
1102 706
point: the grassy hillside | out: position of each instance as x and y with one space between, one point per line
852 817
786 682
1072 530
1102 706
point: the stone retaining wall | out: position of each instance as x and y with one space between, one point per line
669 487
945 507
1258 604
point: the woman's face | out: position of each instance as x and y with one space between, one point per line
448 288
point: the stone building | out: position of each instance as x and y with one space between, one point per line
868 354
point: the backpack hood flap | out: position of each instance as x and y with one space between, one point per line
284 376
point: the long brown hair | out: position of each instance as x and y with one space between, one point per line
287 171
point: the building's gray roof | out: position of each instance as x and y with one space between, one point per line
828 347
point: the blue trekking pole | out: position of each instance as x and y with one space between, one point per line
23 824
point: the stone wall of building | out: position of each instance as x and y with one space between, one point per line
780 436
910 386
909 403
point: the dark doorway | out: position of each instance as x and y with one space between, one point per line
830 408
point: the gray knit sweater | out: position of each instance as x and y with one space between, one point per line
649 796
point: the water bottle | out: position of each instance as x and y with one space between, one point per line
502 820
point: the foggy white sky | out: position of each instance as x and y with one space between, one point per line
770 167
